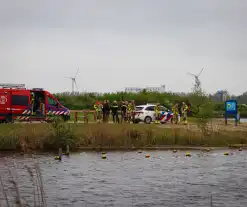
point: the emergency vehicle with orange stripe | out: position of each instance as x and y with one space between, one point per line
20 104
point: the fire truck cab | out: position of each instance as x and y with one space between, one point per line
20 104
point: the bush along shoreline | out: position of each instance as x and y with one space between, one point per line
50 137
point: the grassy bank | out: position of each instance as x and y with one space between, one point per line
47 137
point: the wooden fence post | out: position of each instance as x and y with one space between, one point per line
95 116
86 117
76 116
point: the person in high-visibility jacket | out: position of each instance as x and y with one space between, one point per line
95 106
133 108
157 113
123 111
32 104
42 107
98 109
129 110
184 110
175 113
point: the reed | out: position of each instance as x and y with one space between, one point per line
48 137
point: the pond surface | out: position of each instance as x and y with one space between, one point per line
130 179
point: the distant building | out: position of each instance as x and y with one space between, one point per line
160 89
133 90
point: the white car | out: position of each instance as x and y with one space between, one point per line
146 114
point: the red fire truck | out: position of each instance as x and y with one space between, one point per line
20 104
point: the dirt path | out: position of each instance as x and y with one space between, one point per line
215 125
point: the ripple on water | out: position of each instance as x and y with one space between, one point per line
130 179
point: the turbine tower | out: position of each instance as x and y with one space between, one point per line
197 85
73 80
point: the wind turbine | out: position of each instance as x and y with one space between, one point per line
73 79
197 85
223 94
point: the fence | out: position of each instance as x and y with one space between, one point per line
88 115
85 115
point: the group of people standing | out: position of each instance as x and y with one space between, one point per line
126 109
176 112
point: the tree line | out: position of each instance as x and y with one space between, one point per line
81 101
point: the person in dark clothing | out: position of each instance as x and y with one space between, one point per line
123 111
36 105
108 110
114 109
105 110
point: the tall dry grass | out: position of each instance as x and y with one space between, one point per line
31 137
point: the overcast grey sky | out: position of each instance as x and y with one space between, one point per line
119 43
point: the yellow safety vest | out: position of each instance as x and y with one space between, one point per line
185 108
96 107
175 110
157 109
129 108
133 107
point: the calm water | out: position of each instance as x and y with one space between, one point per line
242 120
130 179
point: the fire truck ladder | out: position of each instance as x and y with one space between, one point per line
10 85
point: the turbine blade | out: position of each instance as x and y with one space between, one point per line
77 72
191 74
200 72
68 77
75 84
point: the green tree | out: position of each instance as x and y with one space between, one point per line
202 106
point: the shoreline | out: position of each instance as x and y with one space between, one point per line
127 149
161 148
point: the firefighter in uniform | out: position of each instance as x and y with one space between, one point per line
32 104
123 111
38 107
133 107
157 113
114 109
42 107
175 113
98 110
184 110
128 111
